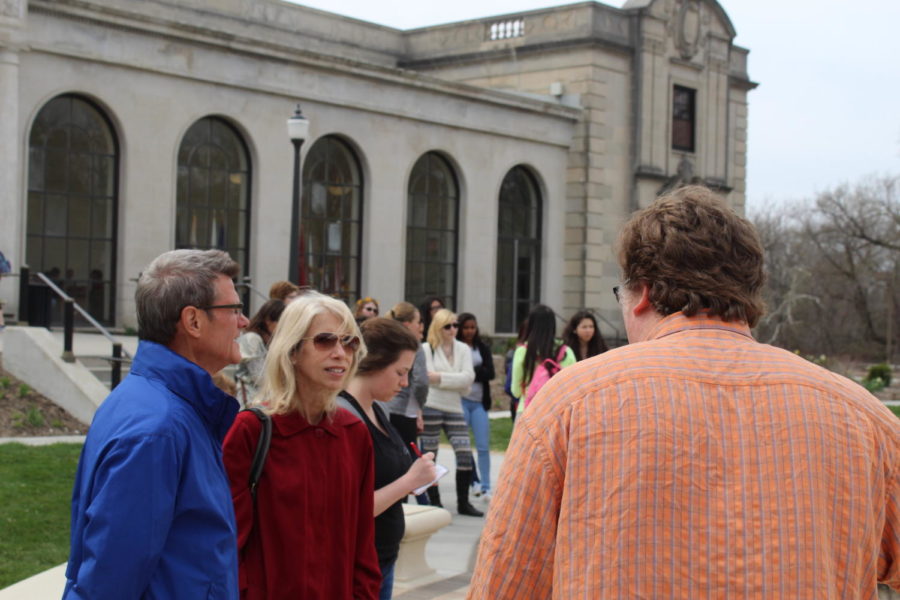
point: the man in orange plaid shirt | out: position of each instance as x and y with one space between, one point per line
695 462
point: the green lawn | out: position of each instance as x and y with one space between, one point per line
895 410
501 430
35 492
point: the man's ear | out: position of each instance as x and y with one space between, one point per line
643 303
190 321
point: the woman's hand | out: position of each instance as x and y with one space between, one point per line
422 472
434 377
420 423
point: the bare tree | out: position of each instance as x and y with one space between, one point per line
832 266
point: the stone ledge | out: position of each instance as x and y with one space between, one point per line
421 523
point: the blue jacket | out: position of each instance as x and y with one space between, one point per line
152 516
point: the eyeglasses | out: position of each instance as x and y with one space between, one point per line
616 292
236 308
326 341
370 309
453 325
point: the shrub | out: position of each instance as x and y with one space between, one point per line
880 371
34 417
24 389
4 383
873 385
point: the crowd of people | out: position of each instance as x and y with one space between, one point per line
693 462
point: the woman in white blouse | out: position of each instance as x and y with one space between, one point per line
450 376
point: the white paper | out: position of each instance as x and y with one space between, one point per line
441 471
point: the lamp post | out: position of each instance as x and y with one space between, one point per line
298 129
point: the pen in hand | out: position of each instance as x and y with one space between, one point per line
415 449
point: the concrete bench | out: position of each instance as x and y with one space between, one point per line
421 523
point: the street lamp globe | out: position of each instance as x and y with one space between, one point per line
298 126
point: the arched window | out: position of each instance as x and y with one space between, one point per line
432 230
331 219
72 202
213 198
518 249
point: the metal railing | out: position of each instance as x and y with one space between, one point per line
245 283
119 354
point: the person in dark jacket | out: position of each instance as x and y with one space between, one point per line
151 510
391 350
478 401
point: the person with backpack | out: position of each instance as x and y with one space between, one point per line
540 357
305 523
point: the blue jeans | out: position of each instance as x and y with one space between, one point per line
387 581
477 419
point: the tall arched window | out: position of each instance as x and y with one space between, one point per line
431 230
213 199
72 202
331 219
518 249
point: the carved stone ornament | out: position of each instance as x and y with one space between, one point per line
687 29
684 175
12 8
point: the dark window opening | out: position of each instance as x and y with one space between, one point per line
684 118
331 220
518 250
431 230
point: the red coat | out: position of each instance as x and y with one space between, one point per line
315 533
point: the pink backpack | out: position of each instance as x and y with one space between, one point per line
543 372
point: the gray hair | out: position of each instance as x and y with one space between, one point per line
174 280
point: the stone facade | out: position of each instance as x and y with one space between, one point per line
580 95
620 66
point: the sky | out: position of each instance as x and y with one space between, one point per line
827 109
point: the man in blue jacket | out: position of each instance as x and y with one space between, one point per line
151 507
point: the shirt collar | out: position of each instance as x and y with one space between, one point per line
678 322
188 381
292 423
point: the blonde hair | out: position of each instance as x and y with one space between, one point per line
441 318
279 389
360 304
403 312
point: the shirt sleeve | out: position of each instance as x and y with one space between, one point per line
419 382
485 372
367 573
521 525
238 451
253 355
568 359
461 378
128 519
888 563
518 372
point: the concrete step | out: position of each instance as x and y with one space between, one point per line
101 368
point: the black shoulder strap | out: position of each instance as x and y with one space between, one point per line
262 448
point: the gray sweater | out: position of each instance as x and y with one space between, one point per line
417 389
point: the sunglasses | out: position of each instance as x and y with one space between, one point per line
448 326
327 341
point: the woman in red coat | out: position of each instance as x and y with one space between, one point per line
311 531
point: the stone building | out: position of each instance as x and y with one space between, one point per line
489 161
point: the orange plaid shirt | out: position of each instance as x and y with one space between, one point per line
697 464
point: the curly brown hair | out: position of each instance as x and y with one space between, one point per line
695 254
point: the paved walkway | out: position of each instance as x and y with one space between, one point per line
451 551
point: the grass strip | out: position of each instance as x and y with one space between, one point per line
35 494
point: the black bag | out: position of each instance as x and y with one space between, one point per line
262 448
